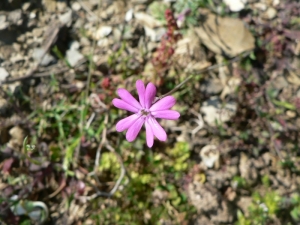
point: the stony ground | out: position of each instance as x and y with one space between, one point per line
231 158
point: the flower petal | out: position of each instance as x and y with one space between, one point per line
141 91
134 129
124 105
165 103
158 131
125 123
127 97
149 134
149 95
166 114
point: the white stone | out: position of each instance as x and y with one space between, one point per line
38 53
261 6
103 31
147 20
103 42
26 6
209 155
215 111
74 45
276 2
3 74
235 5
270 13
76 6
155 34
129 15
3 23
73 57
66 18
32 15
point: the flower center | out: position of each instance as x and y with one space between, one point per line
144 112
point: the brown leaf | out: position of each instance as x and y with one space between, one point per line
7 164
292 34
224 35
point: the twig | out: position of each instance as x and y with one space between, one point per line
122 172
99 103
199 121
273 141
88 123
103 141
117 184
205 70
95 17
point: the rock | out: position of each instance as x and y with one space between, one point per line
66 18
188 53
84 41
147 20
218 178
216 112
155 34
32 15
103 42
103 31
3 74
47 59
224 215
76 6
235 5
17 58
61 6
291 114
260 6
268 159
212 87
208 201
3 106
26 6
275 2
270 13
74 45
79 23
202 220
243 203
73 57
293 77
231 86
203 199
37 32
232 170
129 15
3 22
17 137
247 169
210 156
15 17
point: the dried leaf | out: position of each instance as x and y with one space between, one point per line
224 35
7 164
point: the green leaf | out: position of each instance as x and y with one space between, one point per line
286 105
69 153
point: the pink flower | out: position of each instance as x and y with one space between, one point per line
144 113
